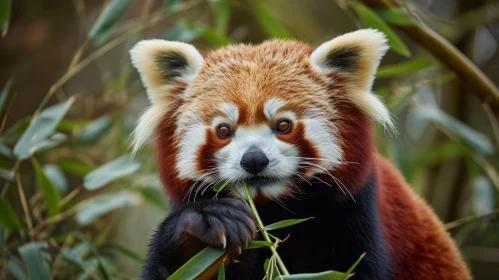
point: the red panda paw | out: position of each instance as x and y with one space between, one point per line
226 223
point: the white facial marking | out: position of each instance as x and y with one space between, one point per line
270 108
194 137
231 112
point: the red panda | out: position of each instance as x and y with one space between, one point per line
295 123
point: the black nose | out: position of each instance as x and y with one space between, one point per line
254 161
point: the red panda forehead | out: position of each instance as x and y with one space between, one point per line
248 77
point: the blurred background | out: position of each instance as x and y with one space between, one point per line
74 205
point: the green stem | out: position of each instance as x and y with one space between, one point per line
280 263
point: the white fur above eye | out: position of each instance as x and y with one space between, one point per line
362 50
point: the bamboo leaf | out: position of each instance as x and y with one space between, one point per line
103 204
8 217
483 196
351 269
259 244
326 275
155 196
221 272
73 166
95 130
107 20
5 7
209 35
5 151
222 15
172 5
41 128
220 186
370 19
285 223
50 192
197 264
475 139
5 90
124 251
109 172
404 68
395 17
180 32
15 270
55 175
269 24
34 260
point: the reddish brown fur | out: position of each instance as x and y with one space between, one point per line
420 247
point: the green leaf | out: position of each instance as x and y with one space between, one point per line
395 17
483 196
54 141
103 269
41 128
222 16
8 217
15 270
70 125
259 244
221 272
197 264
55 175
269 24
370 19
351 269
404 68
103 204
50 192
6 88
155 196
220 186
326 275
5 7
285 223
124 251
210 35
36 265
109 172
74 167
107 20
475 139
95 130
6 151
171 5
181 32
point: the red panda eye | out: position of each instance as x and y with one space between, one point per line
224 131
283 126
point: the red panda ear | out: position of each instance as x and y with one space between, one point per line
162 63
356 55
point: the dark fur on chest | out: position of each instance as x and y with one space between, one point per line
341 231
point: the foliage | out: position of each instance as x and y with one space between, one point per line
67 176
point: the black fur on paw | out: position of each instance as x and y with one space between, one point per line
226 222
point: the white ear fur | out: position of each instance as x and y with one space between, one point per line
357 56
161 64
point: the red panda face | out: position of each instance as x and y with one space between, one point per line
269 115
